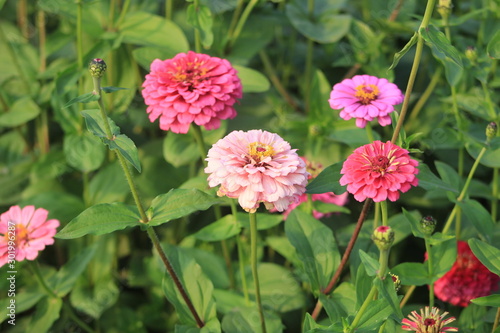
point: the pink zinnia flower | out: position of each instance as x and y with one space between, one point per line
379 171
191 87
428 322
24 232
315 169
257 166
365 98
467 279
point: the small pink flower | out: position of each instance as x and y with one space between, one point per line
379 171
24 232
315 169
428 322
467 279
257 166
365 98
189 88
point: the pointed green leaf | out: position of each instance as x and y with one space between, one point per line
252 80
224 228
406 48
178 203
85 98
95 123
414 223
478 216
371 264
493 47
246 320
101 219
83 152
316 248
126 147
487 254
46 313
388 292
201 19
429 181
492 300
109 90
444 256
327 181
22 111
412 273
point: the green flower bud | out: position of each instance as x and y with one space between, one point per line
444 7
471 54
491 131
97 67
396 280
427 225
383 237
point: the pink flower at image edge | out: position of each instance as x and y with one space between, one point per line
25 230
365 98
379 171
257 166
428 321
189 88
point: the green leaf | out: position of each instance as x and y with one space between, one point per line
413 40
246 320
180 149
493 48
444 256
264 221
388 292
327 181
252 81
414 223
412 273
221 229
375 315
316 248
443 50
491 157
341 302
429 181
25 300
22 111
83 152
325 207
109 90
142 28
197 286
324 26
95 123
108 185
178 203
101 219
492 300
126 147
478 216
487 254
46 313
371 265
201 19
213 326
146 54
85 98
449 176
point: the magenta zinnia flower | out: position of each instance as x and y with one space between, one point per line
315 169
428 322
190 88
24 232
257 166
365 98
379 171
467 279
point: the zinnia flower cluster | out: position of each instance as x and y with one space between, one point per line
365 98
467 279
428 321
315 169
191 88
24 232
379 171
257 166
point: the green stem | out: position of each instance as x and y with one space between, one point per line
376 215
227 259
79 47
369 132
234 19
123 12
241 255
241 22
429 268
111 17
309 60
494 194
497 320
169 6
362 310
156 243
464 189
414 69
198 136
255 274
407 296
425 96
15 61
197 35
383 208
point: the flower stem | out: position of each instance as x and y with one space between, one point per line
79 47
309 59
241 256
383 208
497 320
255 274
123 12
241 22
362 310
156 243
414 69
430 270
369 132
197 35
494 194
464 190
425 96
198 136
168 9
407 296
376 215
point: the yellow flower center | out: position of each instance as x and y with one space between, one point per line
259 151
21 233
366 93
193 73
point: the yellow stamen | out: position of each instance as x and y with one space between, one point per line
366 93
258 151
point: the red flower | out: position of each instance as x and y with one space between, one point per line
467 279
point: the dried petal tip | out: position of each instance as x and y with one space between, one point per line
383 237
396 280
491 131
97 67
427 225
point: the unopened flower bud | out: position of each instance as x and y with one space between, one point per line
97 67
444 7
491 131
427 225
396 280
383 237
471 54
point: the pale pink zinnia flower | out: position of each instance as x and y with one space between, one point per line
379 171
191 87
315 169
24 232
257 166
467 279
365 98
428 321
